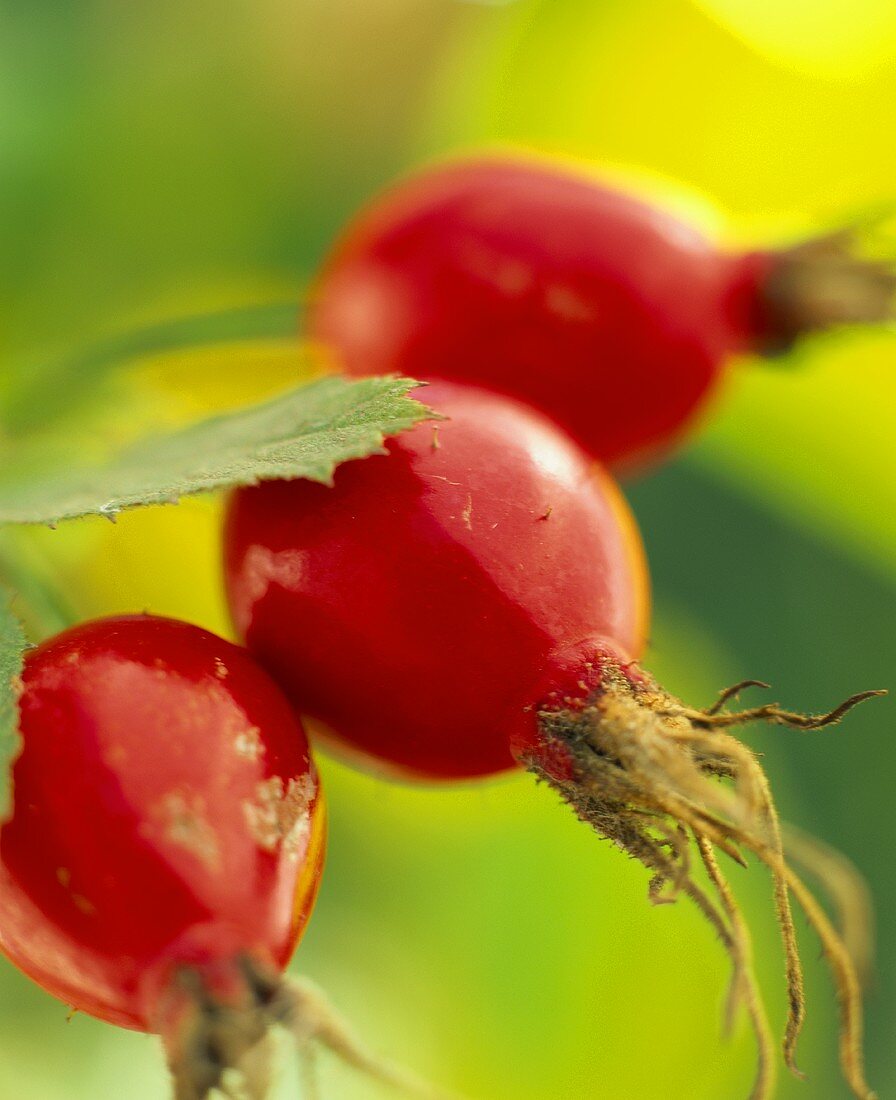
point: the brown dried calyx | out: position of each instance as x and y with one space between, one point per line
222 1045
821 284
643 770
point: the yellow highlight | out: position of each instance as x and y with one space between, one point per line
842 38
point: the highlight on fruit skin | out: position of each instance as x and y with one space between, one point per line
476 600
165 849
530 277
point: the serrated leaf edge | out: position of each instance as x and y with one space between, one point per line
370 442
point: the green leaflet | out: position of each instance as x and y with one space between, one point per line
304 433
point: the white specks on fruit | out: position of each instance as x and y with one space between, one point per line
278 815
441 477
184 823
248 743
468 513
265 567
221 670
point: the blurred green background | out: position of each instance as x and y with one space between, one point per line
159 160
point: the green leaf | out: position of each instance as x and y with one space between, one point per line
303 433
12 648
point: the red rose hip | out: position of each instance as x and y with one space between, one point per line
471 568
476 598
166 807
530 278
166 846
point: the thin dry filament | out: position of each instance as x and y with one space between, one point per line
643 769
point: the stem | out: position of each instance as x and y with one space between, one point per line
819 285
638 766
222 1042
744 979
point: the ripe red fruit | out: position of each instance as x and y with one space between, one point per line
612 317
484 545
166 810
165 849
167 823
476 598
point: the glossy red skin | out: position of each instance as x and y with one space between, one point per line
419 606
131 848
532 279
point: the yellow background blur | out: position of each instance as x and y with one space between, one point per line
159 160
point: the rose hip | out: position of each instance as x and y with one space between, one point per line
166 846
609 315
477 598
484 544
